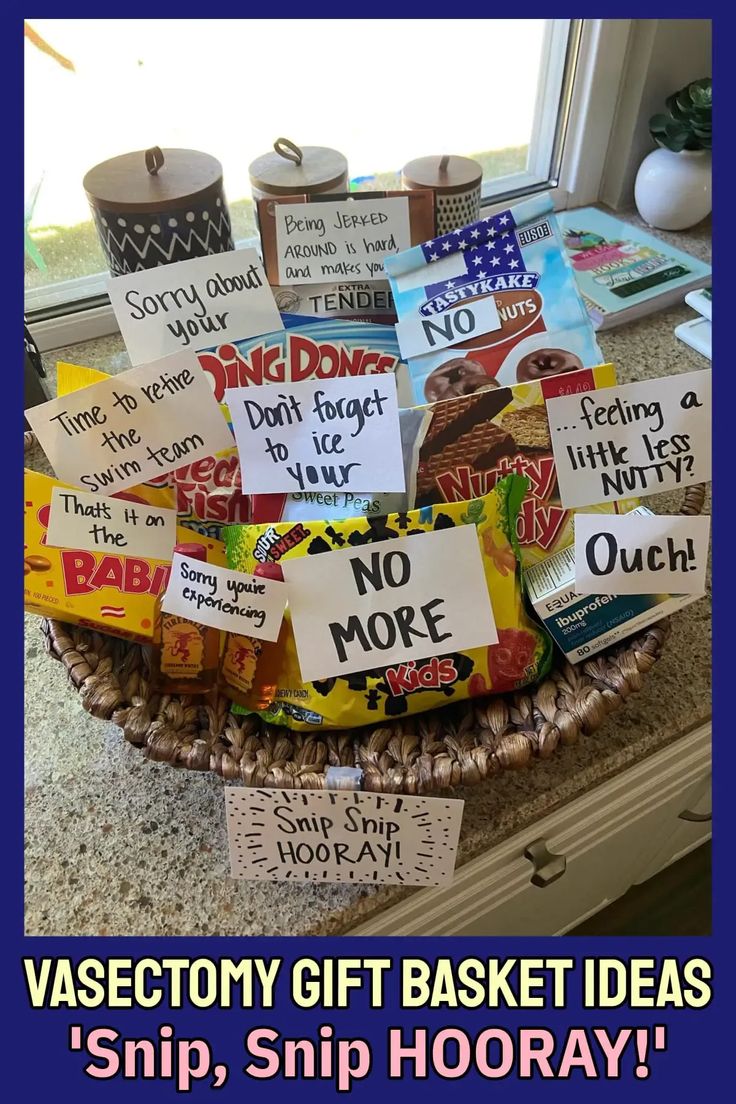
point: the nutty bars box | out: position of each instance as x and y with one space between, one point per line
470 442
103 590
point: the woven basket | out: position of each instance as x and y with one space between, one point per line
459 745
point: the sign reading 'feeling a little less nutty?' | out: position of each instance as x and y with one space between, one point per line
360 608
636 439
338 836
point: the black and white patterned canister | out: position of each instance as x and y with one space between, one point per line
157 206
456 182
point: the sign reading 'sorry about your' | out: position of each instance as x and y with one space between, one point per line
636 439
337 836
341 240
132 427
356 609
315 437
193 304
249 605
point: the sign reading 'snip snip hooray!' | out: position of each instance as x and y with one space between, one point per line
536 327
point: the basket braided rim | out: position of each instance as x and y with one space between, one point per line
458 745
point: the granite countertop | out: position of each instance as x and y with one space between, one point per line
117 845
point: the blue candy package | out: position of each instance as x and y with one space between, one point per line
517 257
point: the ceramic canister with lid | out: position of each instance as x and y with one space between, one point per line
291 170
456 182
155 206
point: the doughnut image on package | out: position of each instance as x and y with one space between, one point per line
521 656
518 257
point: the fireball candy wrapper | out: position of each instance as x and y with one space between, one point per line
522 655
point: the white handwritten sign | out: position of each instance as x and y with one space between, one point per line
418 335
337 836
308 437
79 519
639 438
345 239
193 304
250 605
359 608
132 427
631 554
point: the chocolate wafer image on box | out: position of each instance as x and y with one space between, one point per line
462 432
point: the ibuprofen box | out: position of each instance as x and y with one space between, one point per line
102 590
582 626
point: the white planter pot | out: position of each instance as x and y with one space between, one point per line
673 190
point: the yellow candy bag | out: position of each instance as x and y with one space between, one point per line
522 655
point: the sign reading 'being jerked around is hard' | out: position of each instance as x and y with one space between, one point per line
339 836
307 437
132 427
396 601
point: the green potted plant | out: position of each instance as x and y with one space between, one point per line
673 185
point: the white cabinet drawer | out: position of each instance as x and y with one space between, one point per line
607 838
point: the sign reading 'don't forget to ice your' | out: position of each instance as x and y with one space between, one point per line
341 836
340 434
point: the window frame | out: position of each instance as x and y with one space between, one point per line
566 160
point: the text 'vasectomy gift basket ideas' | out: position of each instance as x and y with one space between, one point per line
307 550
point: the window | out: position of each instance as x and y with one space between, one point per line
96 88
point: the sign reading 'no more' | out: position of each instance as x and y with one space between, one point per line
395 601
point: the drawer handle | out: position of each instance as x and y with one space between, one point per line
548 867
696 818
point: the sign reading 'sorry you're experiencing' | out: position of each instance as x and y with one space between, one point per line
636 439
338 836
341 240
356 609
193 304
311 437
233 601
132 427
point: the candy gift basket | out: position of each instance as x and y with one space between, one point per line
475 438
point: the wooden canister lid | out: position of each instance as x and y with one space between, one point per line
444 173
291 170
152 180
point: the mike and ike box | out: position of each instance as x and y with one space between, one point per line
100 590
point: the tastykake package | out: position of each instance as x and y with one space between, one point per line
470 443
101 590
521 656
518 258
205 494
